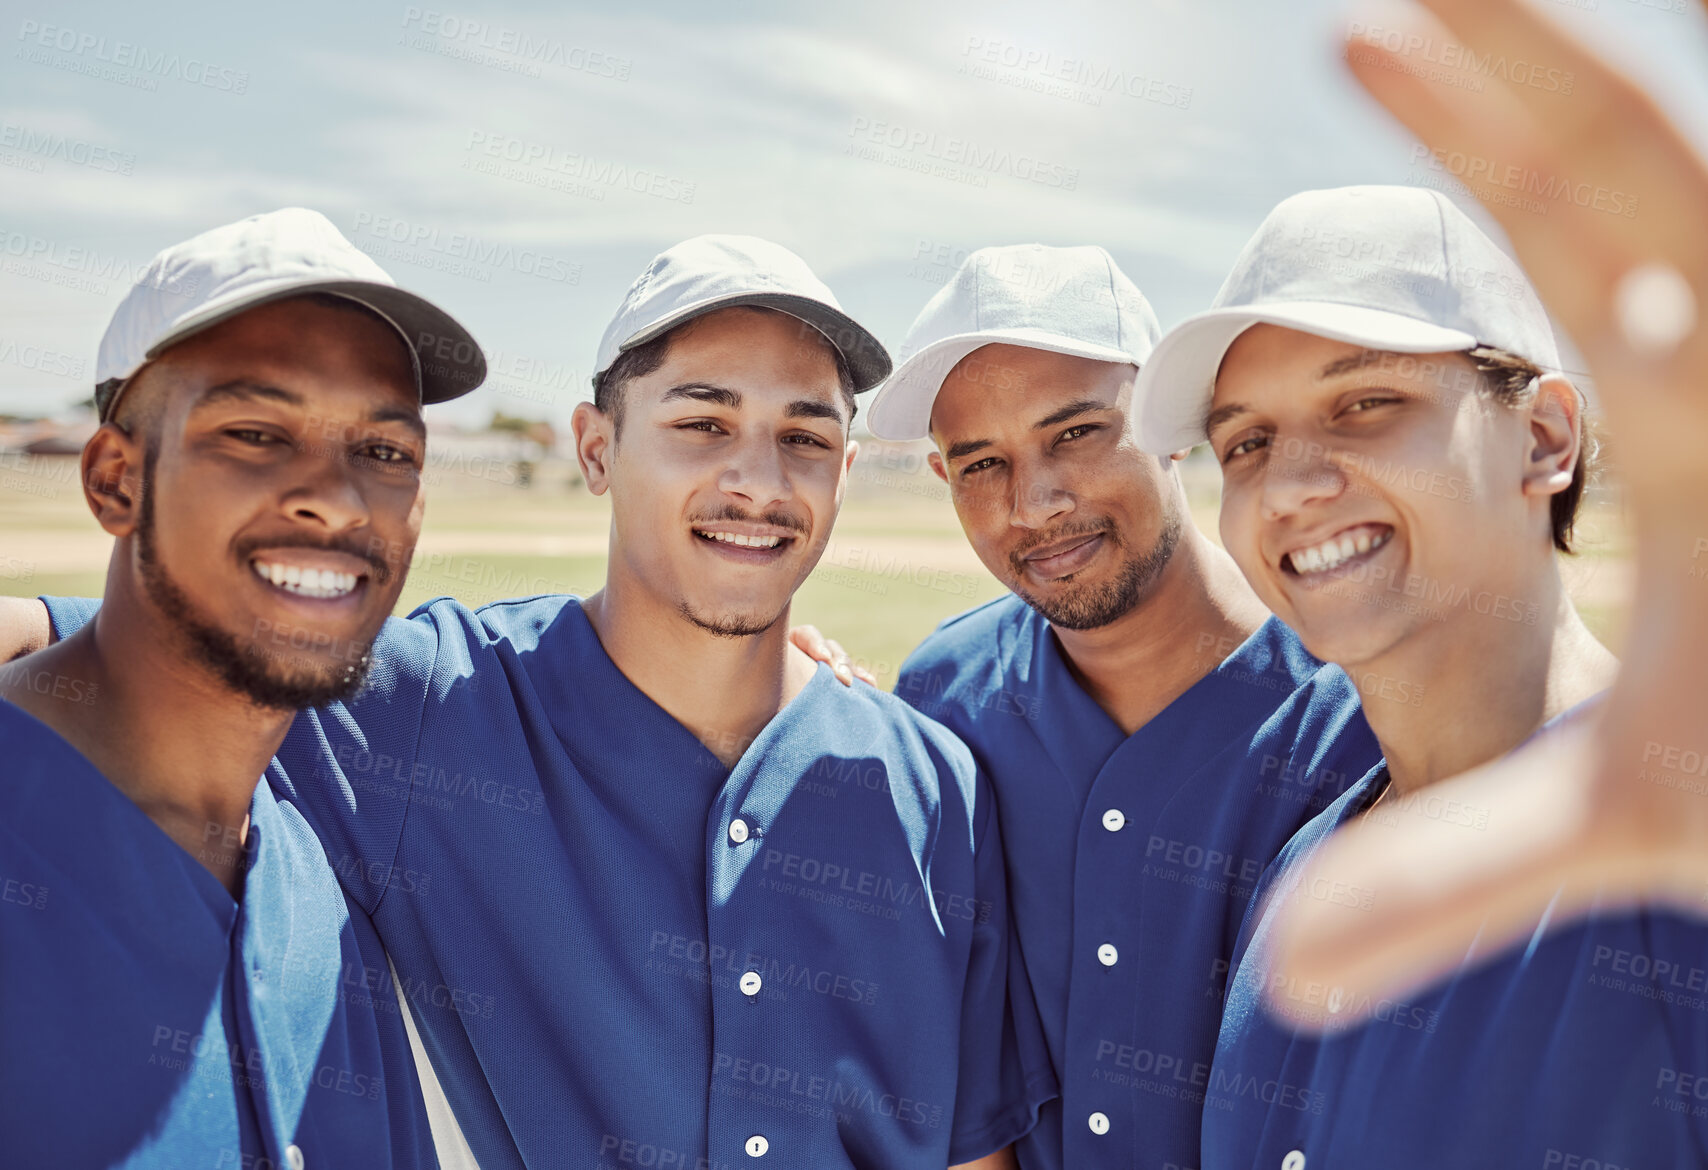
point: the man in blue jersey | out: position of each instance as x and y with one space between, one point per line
1154 737
1402 463
660 892
181 978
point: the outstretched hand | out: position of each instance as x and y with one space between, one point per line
1614 810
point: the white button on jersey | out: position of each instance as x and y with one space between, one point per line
1099 1123
737 831
1107 954
750 985
757 1145
1114 819
1295 1160
293 1155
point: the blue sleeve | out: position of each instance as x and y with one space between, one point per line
1005 1074
70 614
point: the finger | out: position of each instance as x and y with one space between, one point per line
1491 130
1512 40
841 663
865 676
1576 255
809 641
1601 165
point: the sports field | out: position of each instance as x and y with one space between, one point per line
896 565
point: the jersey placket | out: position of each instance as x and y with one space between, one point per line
1099 1086
740 817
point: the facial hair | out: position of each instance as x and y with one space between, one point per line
256 674
1088 607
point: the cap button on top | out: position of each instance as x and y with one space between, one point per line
738 831
1114 820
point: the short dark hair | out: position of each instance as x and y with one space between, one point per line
645 358
1512 381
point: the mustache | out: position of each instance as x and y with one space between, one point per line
363 550
734 515
1017 556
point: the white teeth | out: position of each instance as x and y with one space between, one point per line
1332 553
744 541
319 583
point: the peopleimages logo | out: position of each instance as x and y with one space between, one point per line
42 144
930 146
1457 57
153 63
453 36
1476 171
454 247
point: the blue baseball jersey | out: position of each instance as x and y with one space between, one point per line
621 953
1585 1048
1131 857
148 1019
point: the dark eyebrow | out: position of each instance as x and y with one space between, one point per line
813 408
731 400
1351 361
966 447
1222 414
399 414
700 392
1071 410
240 389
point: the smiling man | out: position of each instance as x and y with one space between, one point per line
1153 736
658 890
176 956
1402 462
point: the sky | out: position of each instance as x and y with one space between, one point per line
521 163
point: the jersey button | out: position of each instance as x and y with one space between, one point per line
1107 954
1099 1123
1114 820
737 831
750 985
293 1156
757 1145
1295 1160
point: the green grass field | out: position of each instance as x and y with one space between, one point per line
897 563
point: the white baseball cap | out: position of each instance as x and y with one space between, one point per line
220 273
1064 300
720 272
1398 269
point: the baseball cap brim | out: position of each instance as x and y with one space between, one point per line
448 361
1175 388
902 409
866 356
